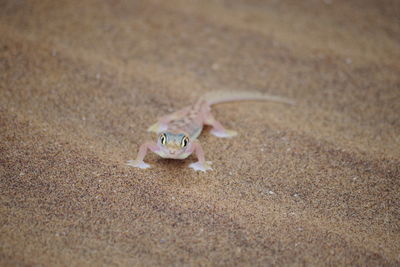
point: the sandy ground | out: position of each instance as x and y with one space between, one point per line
312 184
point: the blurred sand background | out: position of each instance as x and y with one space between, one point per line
311 184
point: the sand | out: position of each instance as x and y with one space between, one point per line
316 183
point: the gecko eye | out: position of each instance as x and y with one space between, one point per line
185 141
163 139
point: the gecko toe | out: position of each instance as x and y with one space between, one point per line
224 134
197 166
140 165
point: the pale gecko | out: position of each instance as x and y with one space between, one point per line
178 131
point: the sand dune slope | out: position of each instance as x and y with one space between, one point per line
311 184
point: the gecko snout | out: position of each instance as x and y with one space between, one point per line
173 151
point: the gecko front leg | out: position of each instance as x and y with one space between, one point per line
201 164
138 162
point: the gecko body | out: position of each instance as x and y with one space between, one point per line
178 131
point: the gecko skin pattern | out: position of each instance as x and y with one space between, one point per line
178 131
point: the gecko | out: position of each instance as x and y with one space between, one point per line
178 132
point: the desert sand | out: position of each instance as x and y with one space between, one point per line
316 183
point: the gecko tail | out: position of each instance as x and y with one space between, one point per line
217 97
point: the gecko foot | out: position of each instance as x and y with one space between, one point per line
224 134
197 166
157 127
136 164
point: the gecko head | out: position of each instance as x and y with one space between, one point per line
173 145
